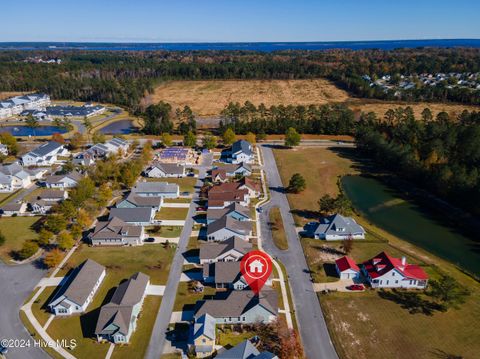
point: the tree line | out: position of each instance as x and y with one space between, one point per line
124 78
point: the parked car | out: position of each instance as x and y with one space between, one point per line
201 209
356 287
260 209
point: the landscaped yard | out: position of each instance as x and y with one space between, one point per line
278 231
121 262
165 231
16 230
172 213
228 338
177 200
186 298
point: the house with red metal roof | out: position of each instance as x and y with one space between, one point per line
384 271
347 268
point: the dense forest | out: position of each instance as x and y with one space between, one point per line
335 119
123 78
441 154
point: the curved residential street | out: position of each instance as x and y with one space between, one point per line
17 283
313 329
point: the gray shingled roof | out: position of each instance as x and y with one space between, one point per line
237 303
141 201
120 308
240 227
169 168
217 213
222 272
81 281
205 325
213 250
242 146
52 193
158 187
46 148
332 224
244 350
130 215
115 228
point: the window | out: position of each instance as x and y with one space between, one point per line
387 282
393 274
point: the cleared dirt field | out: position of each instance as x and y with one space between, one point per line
208 98
6 94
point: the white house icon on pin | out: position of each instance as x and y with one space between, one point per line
256 266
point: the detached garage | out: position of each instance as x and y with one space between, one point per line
347 268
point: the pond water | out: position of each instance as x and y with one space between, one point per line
122 127
406 220
28 131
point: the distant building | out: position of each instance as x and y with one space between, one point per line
338 227
118 319
347 268
68 180
134 201
245 350
230 250
13 208
16 105
139 216
45 155
384 271
116 232
204 336
78 289
234 210
225 275
101 150
3 149
14 177
240 151
156 189
227 227
74 111
47 199
159 170
241 307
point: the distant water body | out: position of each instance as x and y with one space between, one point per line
238 46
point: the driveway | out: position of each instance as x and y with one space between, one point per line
17 282
313 329
157 340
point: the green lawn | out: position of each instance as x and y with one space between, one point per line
186 298
228 338
278 232
177 200
16 230
3 196
171 213
165 231
139 341
121 262
39 306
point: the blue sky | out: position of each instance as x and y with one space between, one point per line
237 20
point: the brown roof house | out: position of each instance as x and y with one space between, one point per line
241 307
227 227
78 289
116 232
230 250
118 318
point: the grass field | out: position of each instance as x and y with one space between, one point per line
278 231
39 306
186 184
172 213
121 262
16 230
320 167
208 98
165 231
366 325
186 298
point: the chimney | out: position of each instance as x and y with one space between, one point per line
404 261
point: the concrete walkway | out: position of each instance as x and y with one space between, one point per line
50 282
175 205
171 222
340 286
155 290
110 351
157 240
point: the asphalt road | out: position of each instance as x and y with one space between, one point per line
16 284
157 340
313 329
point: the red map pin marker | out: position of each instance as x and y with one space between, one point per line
256 267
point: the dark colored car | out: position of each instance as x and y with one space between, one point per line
3 350
259 209
356 287
201 209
